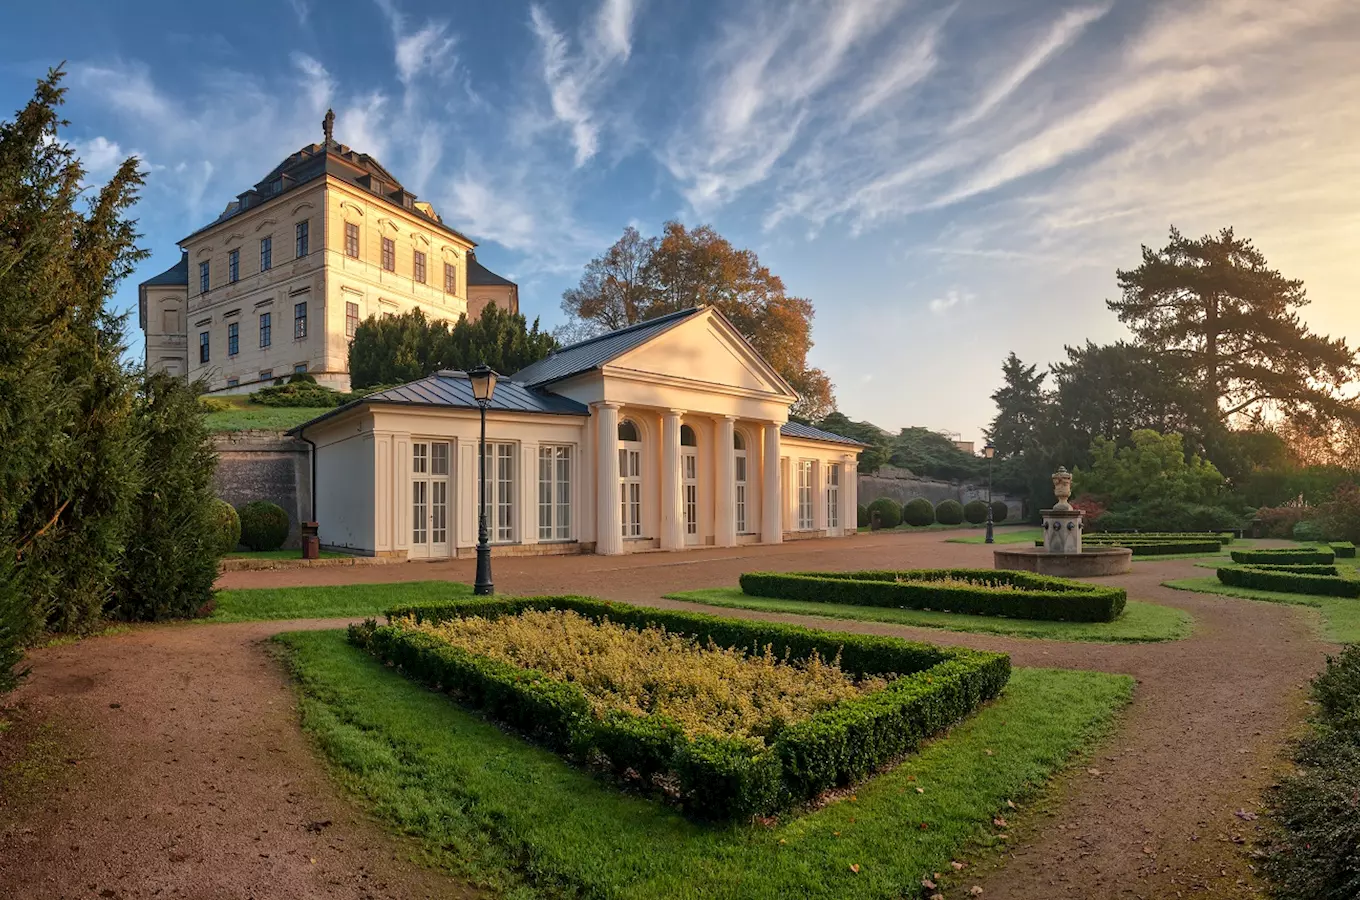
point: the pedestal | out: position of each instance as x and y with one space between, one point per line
1062 530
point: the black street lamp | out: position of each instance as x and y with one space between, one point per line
989 451
483 380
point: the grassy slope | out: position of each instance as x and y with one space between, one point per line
246 415
496 810
1340 615
335 601
1140 621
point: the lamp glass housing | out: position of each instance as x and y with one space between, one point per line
483 379
989 451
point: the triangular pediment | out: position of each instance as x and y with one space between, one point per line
705 349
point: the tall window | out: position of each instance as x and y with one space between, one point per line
266 327
300 320
500 491
630 478
203 277
266 254
389 254
352 240
233 338
554 493
203 346
833 496
739 451
351 319
301 230
418 267
450 278
234 266
804 495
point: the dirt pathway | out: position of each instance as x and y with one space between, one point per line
203 755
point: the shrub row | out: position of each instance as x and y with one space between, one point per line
716 778
1285 555
1222 537
1263 579
1017 595
1343 549
1162 548
920 512
1299 568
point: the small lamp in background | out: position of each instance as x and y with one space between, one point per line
989 451
483 381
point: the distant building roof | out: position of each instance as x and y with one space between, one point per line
176 274
480 275
452 390
807 432
590 354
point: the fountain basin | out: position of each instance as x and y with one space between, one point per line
1089 563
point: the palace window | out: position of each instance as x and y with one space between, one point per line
450 278
804 494
299 320
554 493
500 491
352 240
266 254
418 267
203 277
630 478
389 254
833 496
203 346
300 369
233 382
739 451
266 338
301 230
234 266
351 319
233 338
266 374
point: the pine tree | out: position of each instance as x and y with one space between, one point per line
1021 407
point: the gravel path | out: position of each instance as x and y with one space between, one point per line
199 783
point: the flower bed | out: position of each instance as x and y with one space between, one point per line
1343 549
985 592
891 695
1264 579
1286 555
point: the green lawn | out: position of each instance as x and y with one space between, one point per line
934 526
500 812
1019 536
330 602
1140 622
280 554
1340 615
246 415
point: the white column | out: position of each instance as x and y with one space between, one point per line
672 513
725 496
849 494
609 511
771 495
527 514
819 495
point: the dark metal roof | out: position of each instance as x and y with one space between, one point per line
807 432
339 161
452 390
590 354
176 274
480 275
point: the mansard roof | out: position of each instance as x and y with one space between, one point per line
175 275
479 275
590 354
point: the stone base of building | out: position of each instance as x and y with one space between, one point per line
1090 563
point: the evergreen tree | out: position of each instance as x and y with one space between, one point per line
1022 407
879 444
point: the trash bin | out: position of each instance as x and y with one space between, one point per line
311 540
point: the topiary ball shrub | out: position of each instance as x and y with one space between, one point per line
862 517
949 512
1000 511
301 378
889 512
918 512
264 525
975 512
227 524
1308 530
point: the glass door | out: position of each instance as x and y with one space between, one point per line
689 470
430 462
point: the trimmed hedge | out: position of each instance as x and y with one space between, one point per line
227 523
1160 548
889 512
1030 597
264 525
1286 555
1263 579
949 512
1343 549
716 778
1153 536
1000 511
1299 568
862 516
918 512
975 512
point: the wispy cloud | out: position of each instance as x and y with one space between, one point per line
301 9
955 297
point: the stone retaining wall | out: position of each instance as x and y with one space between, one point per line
265 465
902 486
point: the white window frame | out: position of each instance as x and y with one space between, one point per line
502 461
555 471
630 485
741 474
833 495
805 522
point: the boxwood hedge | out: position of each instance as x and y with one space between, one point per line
1299 568
1343 549
1161 548
918 512
1286 555
1158 536
716 778
1263 579
1018 595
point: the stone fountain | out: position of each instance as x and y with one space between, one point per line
1062 553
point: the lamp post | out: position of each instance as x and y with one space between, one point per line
989 451
483 380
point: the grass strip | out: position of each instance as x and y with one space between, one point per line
1140 622
1340 616
493 809
349 601
1002 537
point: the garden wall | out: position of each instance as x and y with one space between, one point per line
901 485
265 465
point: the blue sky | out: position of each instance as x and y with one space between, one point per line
947 181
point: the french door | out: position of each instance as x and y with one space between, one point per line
429 499
689 471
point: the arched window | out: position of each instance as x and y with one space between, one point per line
628 431
687 438
738 441
630 478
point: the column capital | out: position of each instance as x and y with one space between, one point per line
606 404
676 412
726 418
